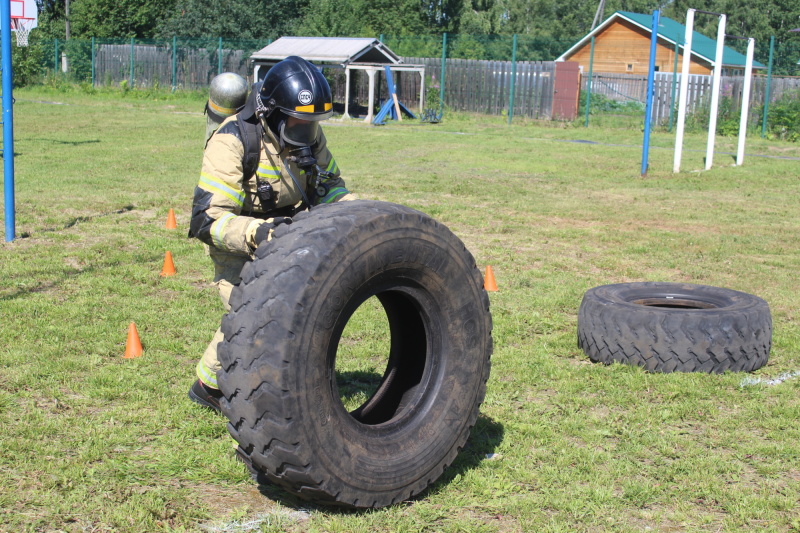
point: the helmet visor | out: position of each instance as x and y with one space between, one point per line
299 132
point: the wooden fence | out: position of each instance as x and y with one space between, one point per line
485 86
153 65
632 88
470 85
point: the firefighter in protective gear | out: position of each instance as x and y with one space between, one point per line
238 203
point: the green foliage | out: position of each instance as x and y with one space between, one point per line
728 117
759 19
432 93
600 103
415 45
367 18
27 61
784 118
104 18
233 19
334 18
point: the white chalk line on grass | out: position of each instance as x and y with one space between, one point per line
747 382
276 517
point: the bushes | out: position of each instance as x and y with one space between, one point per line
27 62
784 118
601 103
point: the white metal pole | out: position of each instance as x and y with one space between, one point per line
748 79
712 121
687 57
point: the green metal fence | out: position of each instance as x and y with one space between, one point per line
182 63
178 62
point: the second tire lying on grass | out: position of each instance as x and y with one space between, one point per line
675 327
279 370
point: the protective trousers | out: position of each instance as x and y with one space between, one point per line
227 274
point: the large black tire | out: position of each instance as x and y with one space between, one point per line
279 354
675 327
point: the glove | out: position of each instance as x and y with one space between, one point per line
265 230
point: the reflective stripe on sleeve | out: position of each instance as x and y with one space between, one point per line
332 167
333 194
215 185
218 229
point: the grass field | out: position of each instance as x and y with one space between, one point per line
94 442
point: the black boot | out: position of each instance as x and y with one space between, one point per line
202 394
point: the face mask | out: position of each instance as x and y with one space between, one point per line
299 133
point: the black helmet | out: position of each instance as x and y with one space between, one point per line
295 88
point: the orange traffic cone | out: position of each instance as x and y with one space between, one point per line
169 265
488 280
171 222
133 348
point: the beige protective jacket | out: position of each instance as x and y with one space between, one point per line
227 211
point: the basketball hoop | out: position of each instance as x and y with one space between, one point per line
22 28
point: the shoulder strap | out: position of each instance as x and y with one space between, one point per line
251 140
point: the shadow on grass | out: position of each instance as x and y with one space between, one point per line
57 141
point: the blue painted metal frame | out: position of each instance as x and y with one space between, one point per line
648 113
388 106
8 120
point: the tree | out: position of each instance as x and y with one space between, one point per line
232 19
367 18
117 18
102 18
334 18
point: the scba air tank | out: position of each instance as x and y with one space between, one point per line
227 93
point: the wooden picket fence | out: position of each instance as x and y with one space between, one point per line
153 65
633 88
485 86
479 86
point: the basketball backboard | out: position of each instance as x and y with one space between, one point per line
24 10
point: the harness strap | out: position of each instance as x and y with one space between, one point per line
251 139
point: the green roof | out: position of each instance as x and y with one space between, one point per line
701 45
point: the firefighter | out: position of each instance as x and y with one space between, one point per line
257 172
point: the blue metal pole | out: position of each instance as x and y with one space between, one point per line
648 113
8 120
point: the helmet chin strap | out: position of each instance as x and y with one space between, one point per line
272 139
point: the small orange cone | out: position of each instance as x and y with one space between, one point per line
133 348
488 280
171 222
169 265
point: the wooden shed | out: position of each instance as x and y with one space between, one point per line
622 46
348 53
